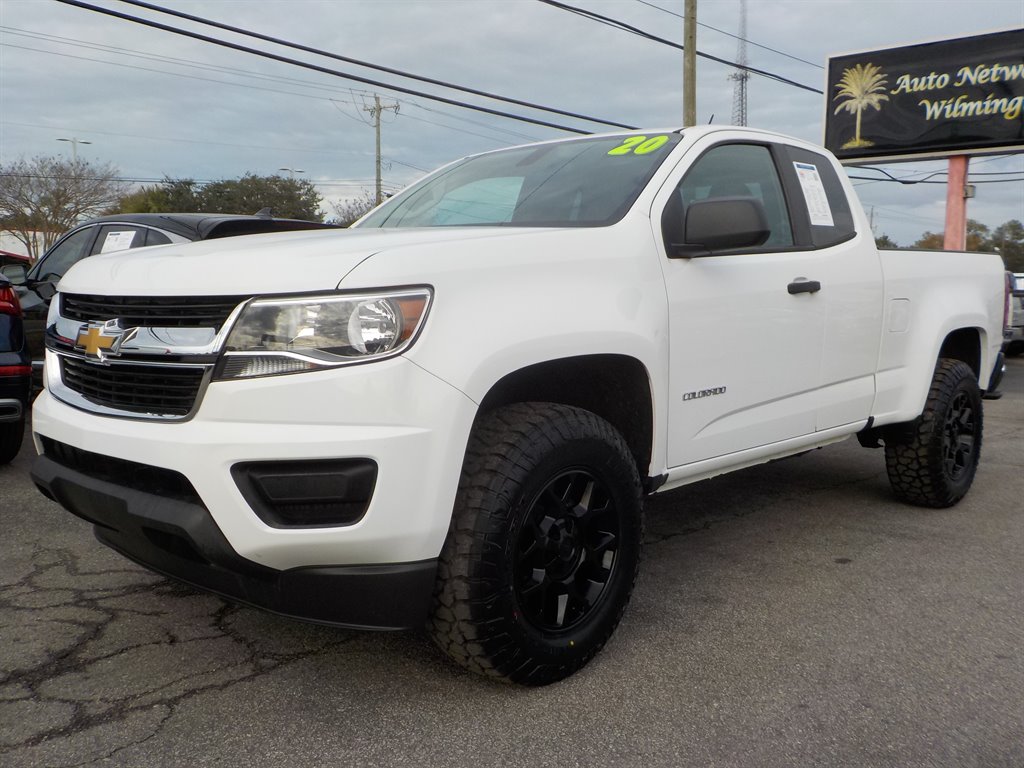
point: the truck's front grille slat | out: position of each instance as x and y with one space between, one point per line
151 311
164 390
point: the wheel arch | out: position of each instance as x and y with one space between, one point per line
616 387
963 344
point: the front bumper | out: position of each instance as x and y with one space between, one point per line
173 534
202 529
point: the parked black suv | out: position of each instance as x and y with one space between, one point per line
117 233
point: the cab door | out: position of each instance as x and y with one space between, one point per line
746 327
849 269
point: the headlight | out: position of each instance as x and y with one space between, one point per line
288 335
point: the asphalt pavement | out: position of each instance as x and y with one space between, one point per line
792 614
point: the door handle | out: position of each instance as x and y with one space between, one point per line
803 285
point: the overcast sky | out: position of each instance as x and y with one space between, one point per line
155 104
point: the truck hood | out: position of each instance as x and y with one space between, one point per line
289 262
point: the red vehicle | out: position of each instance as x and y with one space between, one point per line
15 373
8 257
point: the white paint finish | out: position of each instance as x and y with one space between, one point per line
799 370
411 423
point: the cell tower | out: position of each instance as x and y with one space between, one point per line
740 76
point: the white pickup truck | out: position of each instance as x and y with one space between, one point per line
452 412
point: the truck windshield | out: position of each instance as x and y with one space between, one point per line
578 183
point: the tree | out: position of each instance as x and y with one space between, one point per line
932 241
1008 239
977 238
347 211
290 198
884 241
170 196
42 198
863 86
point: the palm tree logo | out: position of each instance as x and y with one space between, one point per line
862 86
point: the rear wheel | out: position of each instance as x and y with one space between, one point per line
934 465
544 546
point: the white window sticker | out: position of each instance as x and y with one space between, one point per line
814 195
118 241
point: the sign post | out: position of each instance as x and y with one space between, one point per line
955 237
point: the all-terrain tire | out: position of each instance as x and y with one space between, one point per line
544 544
11 435
933 465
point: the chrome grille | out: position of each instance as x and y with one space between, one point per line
142 389
151 311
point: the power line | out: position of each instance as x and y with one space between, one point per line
616 24
928 174
150 180
895 180
369 65
515 134
191 64
196 141
160 71
317 68
730 34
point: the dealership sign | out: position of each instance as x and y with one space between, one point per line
952 97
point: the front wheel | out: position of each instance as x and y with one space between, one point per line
934 465
544 545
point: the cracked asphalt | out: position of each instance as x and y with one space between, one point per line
792 614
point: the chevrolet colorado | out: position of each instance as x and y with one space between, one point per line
452 412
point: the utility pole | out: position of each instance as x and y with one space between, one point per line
690 63
375 111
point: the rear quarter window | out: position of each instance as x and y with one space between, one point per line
828 215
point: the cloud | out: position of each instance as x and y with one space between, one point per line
210 113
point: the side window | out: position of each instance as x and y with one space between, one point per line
64 254
822 196
156 237
118 237
740 170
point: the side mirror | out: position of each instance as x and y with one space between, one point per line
46 291
15 273
720 224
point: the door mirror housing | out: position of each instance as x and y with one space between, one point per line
709 227
46 291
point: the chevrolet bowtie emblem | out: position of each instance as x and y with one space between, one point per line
102 340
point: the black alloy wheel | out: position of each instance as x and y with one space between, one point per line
958 437
566 552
